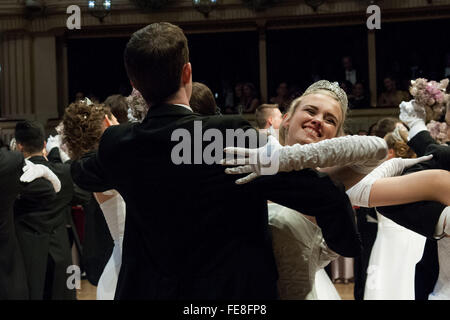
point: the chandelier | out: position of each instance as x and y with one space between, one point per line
204 6
99 8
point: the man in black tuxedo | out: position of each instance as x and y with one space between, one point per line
13 284
426 217
41 229
190 231
13 278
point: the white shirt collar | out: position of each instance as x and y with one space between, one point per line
185 106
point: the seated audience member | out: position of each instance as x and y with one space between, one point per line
251 100
268 115
349 73
360 98
119 107
391 97
282 98
238 100
79 96
202 100
41 230
415 69
347 86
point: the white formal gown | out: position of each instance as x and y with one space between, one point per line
392 263
442 288
301 254
114 211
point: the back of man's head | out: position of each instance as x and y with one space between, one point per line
154 60
202 99
30 135
262 114
119 107
384 126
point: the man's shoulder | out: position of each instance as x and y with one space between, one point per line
11 164
225 122
10 156
114 132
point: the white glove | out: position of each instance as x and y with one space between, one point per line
53 142
33 171
414 116
64 156
360 152
359 194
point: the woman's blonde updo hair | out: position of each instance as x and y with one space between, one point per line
324 87
83 127
397 140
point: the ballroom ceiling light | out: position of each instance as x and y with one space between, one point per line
99 8
204 6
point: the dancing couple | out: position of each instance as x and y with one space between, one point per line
191 232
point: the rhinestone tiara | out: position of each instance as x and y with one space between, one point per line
330 86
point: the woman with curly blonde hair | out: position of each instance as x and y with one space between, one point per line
84 125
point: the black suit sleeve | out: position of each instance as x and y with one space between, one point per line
35 196
420 142
54 156
314 193
421 217
88 174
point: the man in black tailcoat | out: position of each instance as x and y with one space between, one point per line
41 230
190 231
13 277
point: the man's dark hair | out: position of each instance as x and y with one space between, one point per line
119 107
384 126
202 99
31 135
154 60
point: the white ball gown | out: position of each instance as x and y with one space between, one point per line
301 254
392 263
442 288
114 211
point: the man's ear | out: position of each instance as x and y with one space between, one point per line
187 73
19 147
107 122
